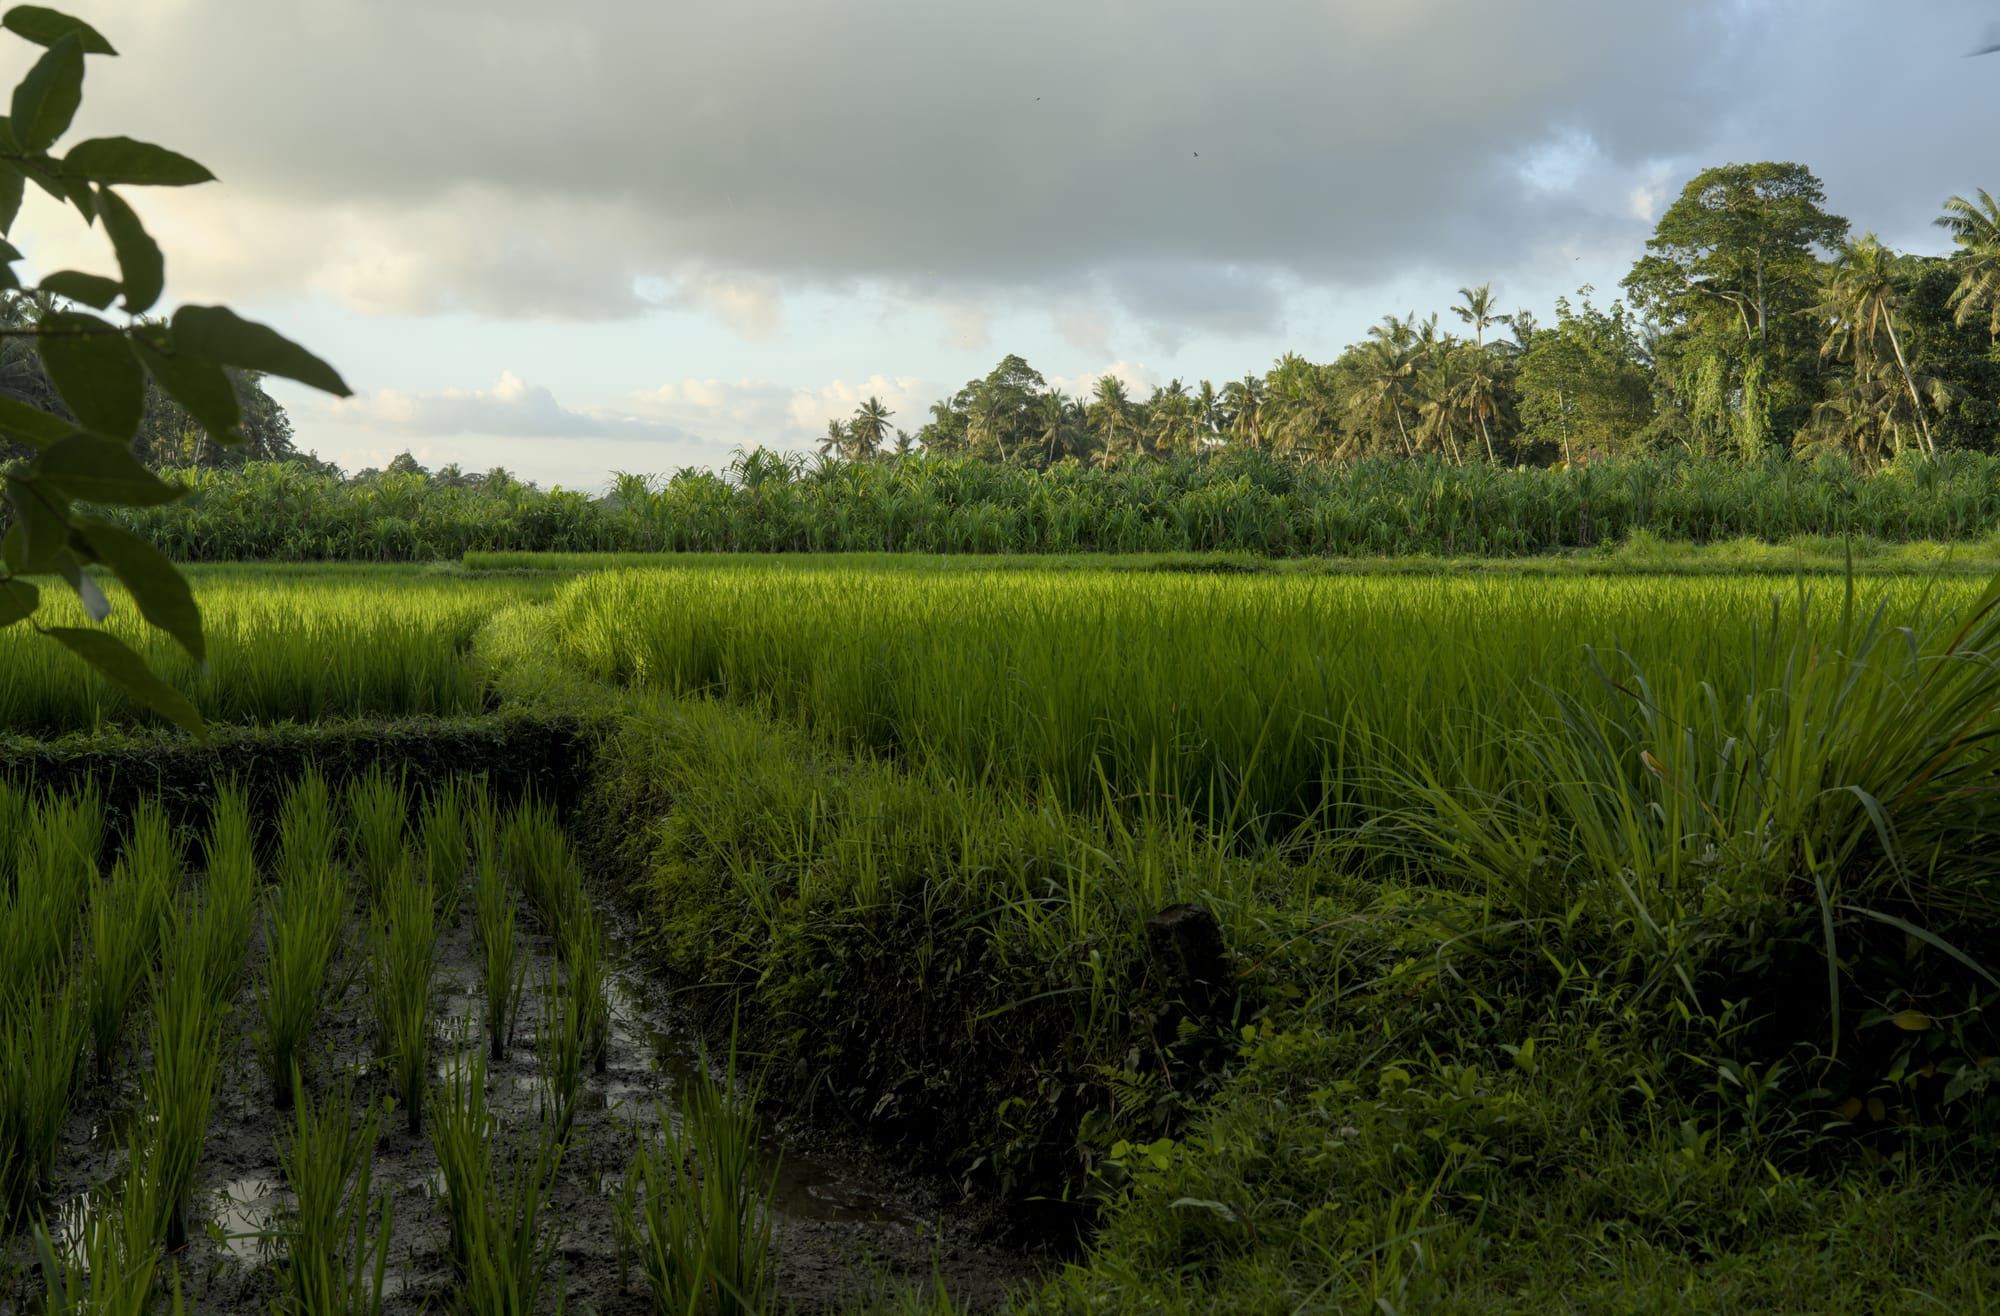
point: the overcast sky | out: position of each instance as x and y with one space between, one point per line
632 235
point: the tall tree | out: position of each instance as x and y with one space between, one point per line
1475 307
1862 294
1730 266
1582 383
868 431
1975 229
1111 415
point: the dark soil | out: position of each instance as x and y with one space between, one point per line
845 1227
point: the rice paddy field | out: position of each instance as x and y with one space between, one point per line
1091 935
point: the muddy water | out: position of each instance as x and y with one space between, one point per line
845 1225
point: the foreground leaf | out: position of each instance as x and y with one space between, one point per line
160 591
128 160
92 366
197 383
102 470
139 260
32 425
221 334
93 290
125 669
45 27
47 98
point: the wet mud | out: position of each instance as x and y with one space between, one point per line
847 1226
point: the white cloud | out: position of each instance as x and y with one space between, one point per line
512 408
1139 380
751 411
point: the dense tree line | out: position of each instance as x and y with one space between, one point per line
1756 321
1230 498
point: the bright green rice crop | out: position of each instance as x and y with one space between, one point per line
1241 699
296 643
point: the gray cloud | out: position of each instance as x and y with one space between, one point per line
512 157
512 408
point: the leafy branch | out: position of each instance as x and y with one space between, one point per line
99 369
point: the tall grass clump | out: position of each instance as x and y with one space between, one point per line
55 867
337 1239
127 913
377 816
402 953
41 1046
537 854
703 1224
497 1189
559 1048
496 933
112 1265
186 1047
228 907
304 914
442 839
585 957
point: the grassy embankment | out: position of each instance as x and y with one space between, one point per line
1601 944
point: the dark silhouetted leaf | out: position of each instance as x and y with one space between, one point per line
125 160
126 669
93 290
161 592
139 258
103 470
45 27
221 334
32 425
40 529
92 366
13 184
18 601
196 382
47 98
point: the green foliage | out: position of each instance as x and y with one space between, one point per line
186 1050
42 1033
127 915
402 956
336 1256
497 1188
304 916
98 371
703 1232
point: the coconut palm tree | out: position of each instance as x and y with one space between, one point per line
1975 227
1110 413
1438 405
1208 411
1476 309
1245 399
1860 298
1387 374
835 441
869 429
1477 391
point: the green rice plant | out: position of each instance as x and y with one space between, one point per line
559 1048
703 1227
503 970
443 840
222 924
377 817
111 1266
55 869
41 1046
403 953
496 1190
304 916
337 1239
537 856
127 913
305 824
186 1048
585 958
